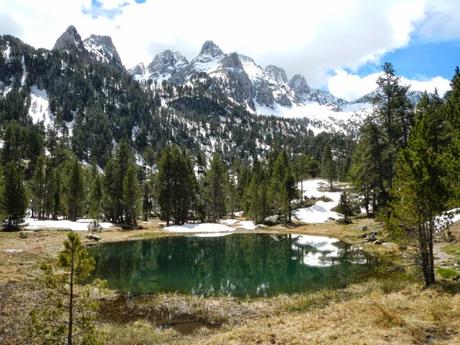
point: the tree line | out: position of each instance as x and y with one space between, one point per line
179 188
406 162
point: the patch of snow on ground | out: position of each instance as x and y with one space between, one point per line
447 219
212 234
240 224
39 106
79 225
199 228
321 211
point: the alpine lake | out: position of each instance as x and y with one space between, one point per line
239 264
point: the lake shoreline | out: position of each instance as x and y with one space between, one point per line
245 320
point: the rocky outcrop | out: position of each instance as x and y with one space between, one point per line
102 49
169 65
70 41
95 47
276 73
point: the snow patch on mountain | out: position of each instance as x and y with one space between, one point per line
322 117
6 53
39 106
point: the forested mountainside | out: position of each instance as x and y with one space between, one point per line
81 93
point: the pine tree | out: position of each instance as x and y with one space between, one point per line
344 207
393 107
300 171
95 196
175 185
131 197
13 199
451 111
216 189
165 184
370 171
256 195
110 193
146 198
422 188
394 115
282 186
54 204
75 191
12 150
291 192
183 187
69 313
38 188
328 166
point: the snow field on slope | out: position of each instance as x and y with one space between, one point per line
39 106
321 212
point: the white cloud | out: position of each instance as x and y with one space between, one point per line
351 86
441 21
308 37
304 36
429 85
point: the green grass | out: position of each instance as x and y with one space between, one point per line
447 273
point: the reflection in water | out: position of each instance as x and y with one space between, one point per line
238 264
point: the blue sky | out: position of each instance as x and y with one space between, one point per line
421 60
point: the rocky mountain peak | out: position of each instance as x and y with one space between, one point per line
168 65
102 49
299 85
211 49
276 73
168 60
70 40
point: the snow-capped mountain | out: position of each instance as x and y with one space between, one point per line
243 80
167 65
264 91
98 48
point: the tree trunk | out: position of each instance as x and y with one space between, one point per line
70 330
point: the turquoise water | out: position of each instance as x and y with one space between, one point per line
237 265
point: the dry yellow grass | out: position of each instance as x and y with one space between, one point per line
392 309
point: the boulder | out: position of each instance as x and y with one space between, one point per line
93 237
272 220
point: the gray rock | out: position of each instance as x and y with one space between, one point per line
234 81
71 41
93 237
299 85
272 220
264 94
276 73
102 49
170 66
211 49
